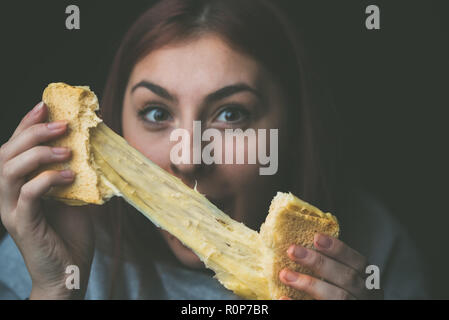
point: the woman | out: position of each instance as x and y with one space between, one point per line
229 64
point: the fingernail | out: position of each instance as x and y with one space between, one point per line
59 151
324 242
299 252
67 174
56 125
37 108
290 276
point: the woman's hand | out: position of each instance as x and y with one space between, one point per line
49 235
341 269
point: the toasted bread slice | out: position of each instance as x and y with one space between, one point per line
291 221
77 105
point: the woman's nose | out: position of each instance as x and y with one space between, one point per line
186 158
186 169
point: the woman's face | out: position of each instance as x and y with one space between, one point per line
205 80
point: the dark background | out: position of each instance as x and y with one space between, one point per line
390 88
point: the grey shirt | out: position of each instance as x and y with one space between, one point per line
366 227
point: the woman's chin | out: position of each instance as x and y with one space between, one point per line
190 259
184 254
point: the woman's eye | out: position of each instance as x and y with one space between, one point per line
154 114
233 115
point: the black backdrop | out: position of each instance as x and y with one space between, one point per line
390 88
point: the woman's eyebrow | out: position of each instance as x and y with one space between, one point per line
154 88
231 90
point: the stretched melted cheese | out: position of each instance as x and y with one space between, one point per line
226 246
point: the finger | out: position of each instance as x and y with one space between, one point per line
338 250
32 136
31 192
317 289
15 170
329 269
30 160
25 163
36 115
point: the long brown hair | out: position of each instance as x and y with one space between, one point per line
259 29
